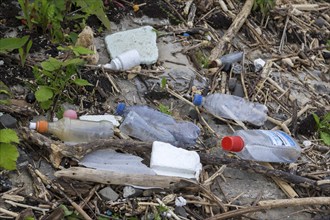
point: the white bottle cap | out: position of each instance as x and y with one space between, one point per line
33 125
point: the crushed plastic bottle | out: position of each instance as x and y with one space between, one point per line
73 131
233 107
227 60
148 124
262 145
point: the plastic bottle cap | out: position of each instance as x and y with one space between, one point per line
42 126
33 125
232 143
198 99
120 108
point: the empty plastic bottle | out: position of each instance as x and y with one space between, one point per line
74 131
227 60
233 107
124 61
181 134
262 145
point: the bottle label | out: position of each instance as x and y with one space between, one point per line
279 138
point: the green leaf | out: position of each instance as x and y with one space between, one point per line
82 82
51 64
44 93
8 156
29 218
9 44
82 50
8 136
67 212
75 61
164 109
317 119
325 136
46 104
163 83
94 7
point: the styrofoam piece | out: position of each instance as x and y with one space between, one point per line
169 160
259 64
180 201
113 119
142 39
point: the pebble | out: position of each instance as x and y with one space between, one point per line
8 121
108 194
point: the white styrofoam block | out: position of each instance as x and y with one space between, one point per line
142 39
169 160
113 119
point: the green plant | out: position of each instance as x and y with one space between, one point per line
22 44
49 15
27 9
202 59
8 150
264 6
54 78
323 127
165 109
4 94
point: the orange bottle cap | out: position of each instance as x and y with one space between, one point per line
42 126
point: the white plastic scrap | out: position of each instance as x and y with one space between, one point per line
180 201
307 143
259 64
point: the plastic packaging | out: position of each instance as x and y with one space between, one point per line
124 61
262 145
74 131
148 124
233 107
227 60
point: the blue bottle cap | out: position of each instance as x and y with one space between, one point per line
198 99
120 108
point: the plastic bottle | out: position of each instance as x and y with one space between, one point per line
184 133
227 60
124 61
262 145
74 131
233 107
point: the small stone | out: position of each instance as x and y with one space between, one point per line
7 121
130 191
326 54
179 210
193 114
108 194
238 90
232 83
320 22
2 62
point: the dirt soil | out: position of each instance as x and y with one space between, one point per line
293 38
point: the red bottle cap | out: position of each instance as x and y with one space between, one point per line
232 143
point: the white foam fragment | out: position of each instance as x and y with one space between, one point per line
142 39
169 160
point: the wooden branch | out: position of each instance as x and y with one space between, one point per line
256 168
271 204
109 177
222 46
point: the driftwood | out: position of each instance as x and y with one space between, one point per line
271 204
222 45
114 178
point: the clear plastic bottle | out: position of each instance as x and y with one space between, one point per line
262 145
185 133
233 107
74 131
227 60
